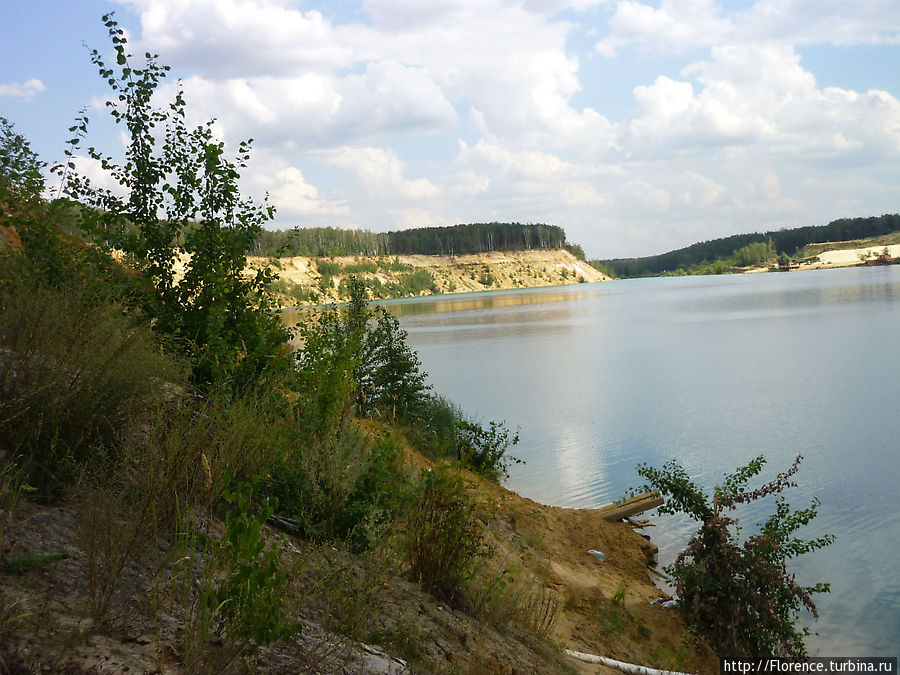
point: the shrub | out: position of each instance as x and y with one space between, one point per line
443 431
740 595
445 539
232 587
389 376
345 486
72 370
325 381
251 593
484 450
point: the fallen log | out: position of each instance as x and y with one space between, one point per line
631 506
619 665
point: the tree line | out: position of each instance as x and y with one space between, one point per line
787 241
450 240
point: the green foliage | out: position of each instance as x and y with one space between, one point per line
486 279
251 593
346 486
328 268
475 238
484 450
74 370
576 250
320 242
445 540
413 282
755 253
453 240
182 209
21 178
389 377
358 359
603 267
442 431
613 614
325 375
232 587
291 290
739 594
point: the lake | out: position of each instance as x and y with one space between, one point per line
711 371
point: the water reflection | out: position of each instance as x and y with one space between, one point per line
441 304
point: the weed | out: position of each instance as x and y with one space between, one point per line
113 527
240 590
613 613
404 639
10 488
74 369
445 539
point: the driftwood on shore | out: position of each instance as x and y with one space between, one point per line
619 665
631 506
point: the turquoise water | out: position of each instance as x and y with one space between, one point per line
711 371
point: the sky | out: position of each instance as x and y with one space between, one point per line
639 126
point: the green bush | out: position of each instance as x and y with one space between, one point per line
328 268
444 538
441 430
486 279
740 595
72 370
345 487
389 377
232 587
251 593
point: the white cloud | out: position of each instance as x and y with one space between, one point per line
835 22
679 25
701 191
584 195
224 39
381 173
675 24
762 95
649 194
406 218
295 198
25 90
518 165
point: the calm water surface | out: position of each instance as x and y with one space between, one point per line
711 371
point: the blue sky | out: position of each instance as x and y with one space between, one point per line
637 125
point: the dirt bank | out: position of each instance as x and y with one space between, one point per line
580 603
451 274
850 257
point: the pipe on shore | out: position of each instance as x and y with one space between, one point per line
619 665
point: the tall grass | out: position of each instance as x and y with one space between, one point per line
73 370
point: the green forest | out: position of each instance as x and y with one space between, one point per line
319 242
718 255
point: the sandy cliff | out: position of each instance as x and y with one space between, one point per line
451 274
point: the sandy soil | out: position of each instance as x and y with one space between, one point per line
849 257
452 274
536 544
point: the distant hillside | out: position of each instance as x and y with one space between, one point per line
318 242
303 280
788 241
